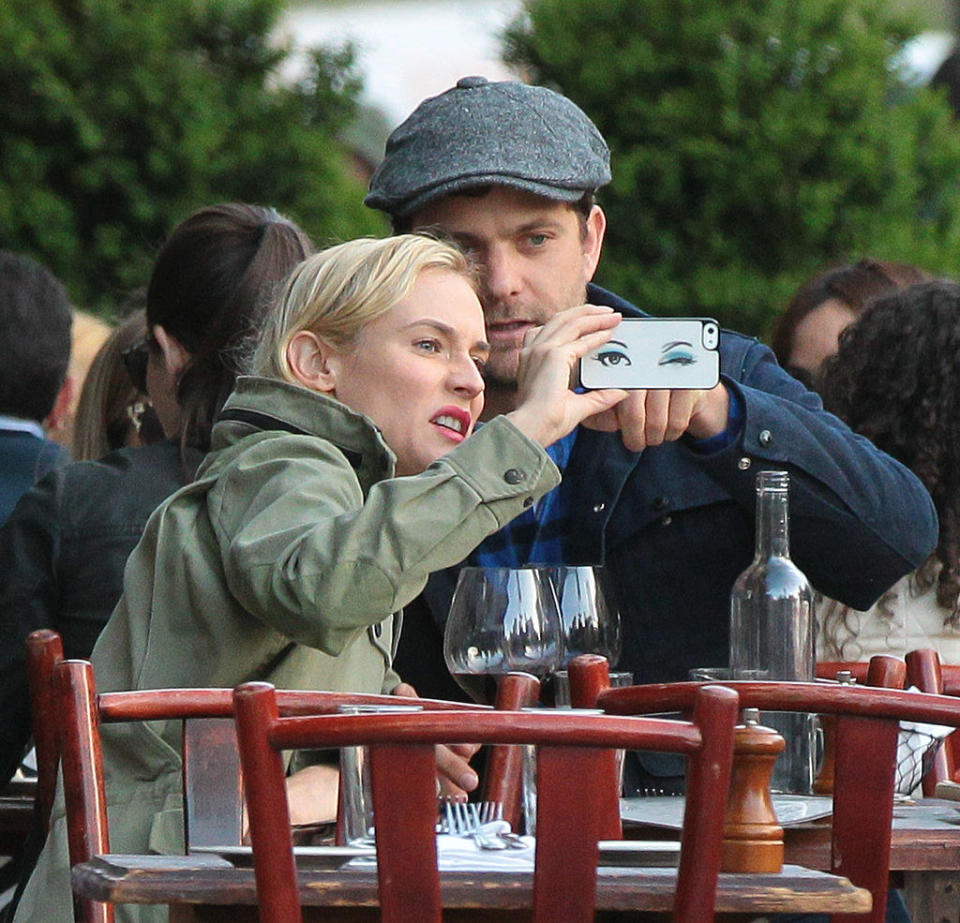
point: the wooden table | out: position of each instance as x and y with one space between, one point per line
924 847
208 888
924 851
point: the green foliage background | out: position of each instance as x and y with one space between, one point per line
120 117
754 143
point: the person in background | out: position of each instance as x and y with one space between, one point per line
35 390
112 413
341 473
896 380
823 307
661 488
63 551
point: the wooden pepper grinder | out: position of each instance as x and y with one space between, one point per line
752 835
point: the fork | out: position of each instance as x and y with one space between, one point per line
460 819
466 820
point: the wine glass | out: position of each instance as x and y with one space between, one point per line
589 616
502 620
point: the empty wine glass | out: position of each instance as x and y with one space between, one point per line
502 620
588 612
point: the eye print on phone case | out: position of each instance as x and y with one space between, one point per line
615 353
679 352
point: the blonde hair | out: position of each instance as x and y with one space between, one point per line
337 292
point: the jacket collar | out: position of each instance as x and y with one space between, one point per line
267 405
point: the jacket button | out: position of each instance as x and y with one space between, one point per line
599 507
766 437
513 475
744 463
661 503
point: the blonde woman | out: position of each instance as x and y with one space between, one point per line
342 472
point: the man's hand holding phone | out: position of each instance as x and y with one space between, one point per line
671 367
648 418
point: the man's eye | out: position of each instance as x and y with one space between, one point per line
428 346
537 240
479 362
611 358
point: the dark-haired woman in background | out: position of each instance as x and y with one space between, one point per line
63 550
808 331
896 380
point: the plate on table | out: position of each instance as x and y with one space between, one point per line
643 853
319 857
667 810
646 853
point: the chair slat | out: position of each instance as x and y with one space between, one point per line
572 747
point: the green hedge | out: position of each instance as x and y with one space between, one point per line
117 119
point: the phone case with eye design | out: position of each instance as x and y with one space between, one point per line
656 352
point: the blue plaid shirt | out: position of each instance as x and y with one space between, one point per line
536 536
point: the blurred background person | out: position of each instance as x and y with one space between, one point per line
63 551
35 389
808 330
112 412
896 380
89 335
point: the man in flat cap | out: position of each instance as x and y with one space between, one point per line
662 489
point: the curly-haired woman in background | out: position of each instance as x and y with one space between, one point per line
896 380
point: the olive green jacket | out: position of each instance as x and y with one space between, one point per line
286 560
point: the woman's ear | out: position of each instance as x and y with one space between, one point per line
175 356
309 359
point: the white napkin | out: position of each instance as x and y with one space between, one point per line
917 743
461 853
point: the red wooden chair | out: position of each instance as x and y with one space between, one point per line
866 755
928 674
568 819
880 670
44 652
81 711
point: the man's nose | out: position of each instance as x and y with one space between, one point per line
501 274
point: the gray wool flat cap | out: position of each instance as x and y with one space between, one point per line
480 133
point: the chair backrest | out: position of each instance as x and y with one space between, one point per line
504 769
81 711
44 652
213 790
405 802
867 723
589 675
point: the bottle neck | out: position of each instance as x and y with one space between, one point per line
773 517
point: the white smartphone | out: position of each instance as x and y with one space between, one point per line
656 352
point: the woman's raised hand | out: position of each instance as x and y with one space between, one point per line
547 408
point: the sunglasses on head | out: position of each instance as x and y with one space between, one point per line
135 360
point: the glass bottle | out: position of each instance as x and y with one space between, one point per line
772 627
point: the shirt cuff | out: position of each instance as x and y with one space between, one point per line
730 435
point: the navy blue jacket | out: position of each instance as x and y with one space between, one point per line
24 459
676 527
